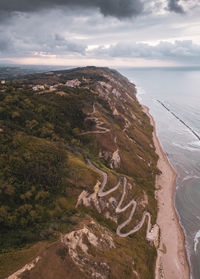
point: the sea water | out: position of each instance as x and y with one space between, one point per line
179 90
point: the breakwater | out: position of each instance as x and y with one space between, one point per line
194 133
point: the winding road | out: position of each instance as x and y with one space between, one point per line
101 130
119 207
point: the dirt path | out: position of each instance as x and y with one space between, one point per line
101 130
120 209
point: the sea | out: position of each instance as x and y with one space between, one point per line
173 96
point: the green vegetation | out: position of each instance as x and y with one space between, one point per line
38 135
43 167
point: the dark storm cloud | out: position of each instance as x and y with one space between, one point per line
76 29
174 6
117 8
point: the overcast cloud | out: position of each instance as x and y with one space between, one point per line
174 5
185 51
70 31
118 8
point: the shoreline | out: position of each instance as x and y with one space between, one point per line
171 262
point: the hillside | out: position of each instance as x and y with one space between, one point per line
78 169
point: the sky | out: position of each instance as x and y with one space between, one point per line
116 33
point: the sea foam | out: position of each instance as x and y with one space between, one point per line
196 241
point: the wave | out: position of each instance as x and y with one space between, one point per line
191 177
189 146
140 92
194 144
196 241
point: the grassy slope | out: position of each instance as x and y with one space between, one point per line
43 130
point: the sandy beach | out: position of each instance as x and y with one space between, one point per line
171 260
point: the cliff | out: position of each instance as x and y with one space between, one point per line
78 169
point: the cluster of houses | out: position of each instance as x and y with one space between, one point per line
69 83
50 88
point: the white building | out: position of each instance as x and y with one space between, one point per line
34 88
38 87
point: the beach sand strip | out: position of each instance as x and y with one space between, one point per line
171 260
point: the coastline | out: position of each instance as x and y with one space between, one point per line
171 262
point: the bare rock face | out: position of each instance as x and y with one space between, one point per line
73 83
153 235
115 160
90 200
82 242
115 112
27 267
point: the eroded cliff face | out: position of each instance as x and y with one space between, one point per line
112 233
